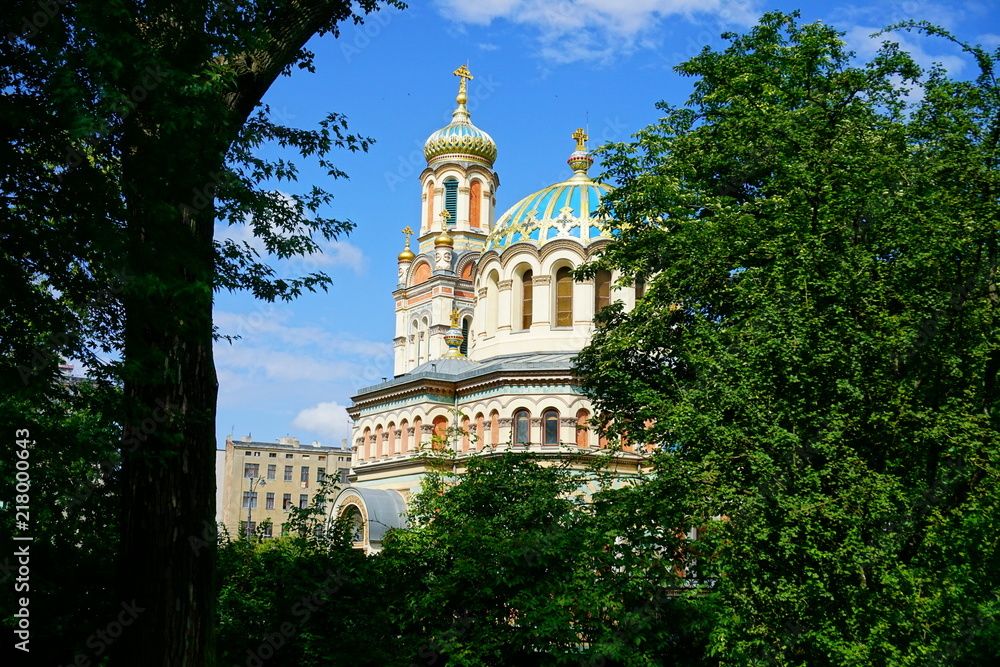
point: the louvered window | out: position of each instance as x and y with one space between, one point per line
451 200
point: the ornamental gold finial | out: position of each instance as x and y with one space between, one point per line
408 231
445 216
464 76
581 139
454 318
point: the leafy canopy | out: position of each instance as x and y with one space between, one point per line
818 345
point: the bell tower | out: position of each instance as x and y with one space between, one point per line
458 195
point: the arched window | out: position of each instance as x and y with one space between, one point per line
430 204
564 298
418 434
379 441
404 436
522 422
526 298
466 328
465 434
475 199
582 432
550 427
494 428
602 290
480 431
365 445
451 199
390 437
492 302
440 432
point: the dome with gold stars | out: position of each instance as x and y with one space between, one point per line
460 139
560 211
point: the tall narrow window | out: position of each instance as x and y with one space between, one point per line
564 298
430 205
521 427
475 199
466 327
451 199
640 288
550 427
526 294
602 290
269 502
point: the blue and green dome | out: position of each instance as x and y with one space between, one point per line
565 210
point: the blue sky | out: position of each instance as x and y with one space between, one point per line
542 68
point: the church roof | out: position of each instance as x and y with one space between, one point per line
566 210
462 370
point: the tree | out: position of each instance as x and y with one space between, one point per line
131 134
67 494
519 560
818 345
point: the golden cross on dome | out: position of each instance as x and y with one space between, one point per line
463 72
407 230
581 138
454 319
445 216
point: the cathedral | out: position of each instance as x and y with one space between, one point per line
488 319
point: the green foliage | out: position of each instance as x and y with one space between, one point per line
72 506
287 602
818 346
524 561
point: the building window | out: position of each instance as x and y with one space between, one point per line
265 529
272 455
464 347
521 425
475 201
246 453
602 290
288 473
322 458
269 502
251 470
550 427
303 500
286 501
243 528
249 500
451 199
304 475
305 456
564 298
288 456
526 299
343 475
272 470
640 288
320 475
340 458
256 453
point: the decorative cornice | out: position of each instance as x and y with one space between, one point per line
541 280
505 285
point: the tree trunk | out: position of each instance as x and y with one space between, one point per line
168 449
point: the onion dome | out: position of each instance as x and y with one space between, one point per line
444 238
460 139
564 210
407 254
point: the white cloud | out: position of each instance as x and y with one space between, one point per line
331 254
859 39
328 420
573 30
